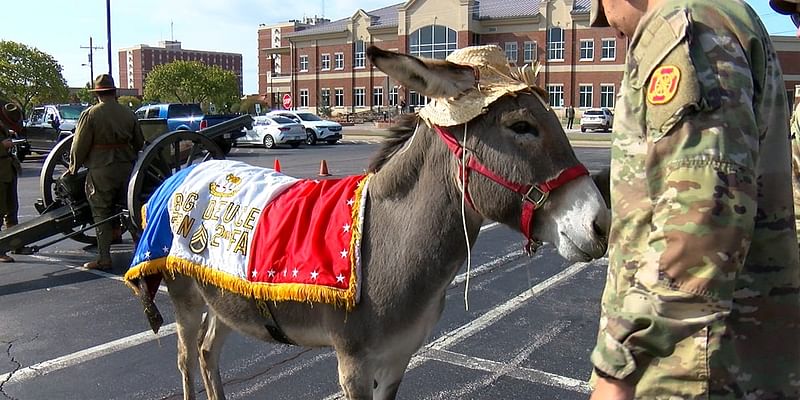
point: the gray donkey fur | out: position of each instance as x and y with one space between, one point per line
413 242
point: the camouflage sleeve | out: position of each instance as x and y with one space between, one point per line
81 142
700 172
795 130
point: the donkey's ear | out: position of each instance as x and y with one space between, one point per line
431 78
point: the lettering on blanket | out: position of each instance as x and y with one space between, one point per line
228 222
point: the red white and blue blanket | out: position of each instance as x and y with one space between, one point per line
256 232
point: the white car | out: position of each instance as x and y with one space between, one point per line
272 130
317 129
597 118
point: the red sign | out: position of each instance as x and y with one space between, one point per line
287 101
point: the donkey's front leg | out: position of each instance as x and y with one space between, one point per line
356 375
189 307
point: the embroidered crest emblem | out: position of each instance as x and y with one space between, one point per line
663 84
227 188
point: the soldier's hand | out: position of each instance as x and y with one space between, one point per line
612 389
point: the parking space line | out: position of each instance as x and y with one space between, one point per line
513 371
89 354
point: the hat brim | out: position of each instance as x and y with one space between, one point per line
451 112
784 7
597 16
103 90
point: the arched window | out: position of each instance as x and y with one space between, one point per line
432 41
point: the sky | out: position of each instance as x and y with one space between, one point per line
61 27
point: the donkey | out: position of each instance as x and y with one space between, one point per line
414 232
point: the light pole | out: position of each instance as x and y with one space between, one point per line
91 48
108 33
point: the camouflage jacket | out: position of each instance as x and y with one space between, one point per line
106 133
795 128
702 298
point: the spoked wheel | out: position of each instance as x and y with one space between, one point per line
161 159
52 194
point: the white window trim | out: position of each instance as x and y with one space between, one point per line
591 87
364 89
580 50
534 50
308 98
301 63
615 49
335 56
561 85
334 98
613 93
322 64
506 49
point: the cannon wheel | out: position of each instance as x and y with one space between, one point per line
164 157
56 163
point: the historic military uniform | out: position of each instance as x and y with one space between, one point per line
107 140
702 298
795 129
10 117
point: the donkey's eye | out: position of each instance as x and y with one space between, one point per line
524 128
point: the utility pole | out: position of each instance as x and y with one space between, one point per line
91 48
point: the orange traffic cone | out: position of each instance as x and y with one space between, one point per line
323 168
277 165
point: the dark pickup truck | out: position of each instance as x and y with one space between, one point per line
189 117
47 125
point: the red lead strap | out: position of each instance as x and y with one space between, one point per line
529 204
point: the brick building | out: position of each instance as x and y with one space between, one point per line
317 61
137 61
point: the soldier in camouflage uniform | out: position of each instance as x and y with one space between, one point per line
792 7
10 118
107 140
702 298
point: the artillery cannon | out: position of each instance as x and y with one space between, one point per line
64 209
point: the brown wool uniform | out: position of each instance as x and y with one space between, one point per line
702 299
107 140
9 168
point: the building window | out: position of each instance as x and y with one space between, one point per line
585 99
377 96
325 97
556 95
303 63
303 97
358 97
393 96
607 96
358 57
339 59
326 62
511 52
530 52
587 50
609 49
432 41
417 99
555 51
339 97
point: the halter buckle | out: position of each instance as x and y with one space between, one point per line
542 197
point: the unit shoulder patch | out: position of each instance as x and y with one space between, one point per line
664 84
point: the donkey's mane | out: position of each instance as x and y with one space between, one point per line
399 135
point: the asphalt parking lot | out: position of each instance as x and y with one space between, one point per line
69 333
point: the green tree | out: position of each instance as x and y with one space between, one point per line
29 76
248 105
192 82
85 96
131 101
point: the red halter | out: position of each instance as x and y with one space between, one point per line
530 203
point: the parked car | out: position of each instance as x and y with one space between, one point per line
317 129
47 125
597 118
189 117
272 130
